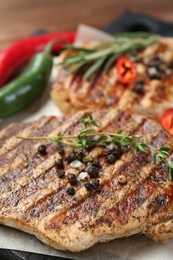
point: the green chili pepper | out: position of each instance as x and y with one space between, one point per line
23 90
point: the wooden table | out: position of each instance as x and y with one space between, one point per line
19 18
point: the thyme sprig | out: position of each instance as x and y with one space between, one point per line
103 55
89 137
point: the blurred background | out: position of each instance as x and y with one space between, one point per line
20 18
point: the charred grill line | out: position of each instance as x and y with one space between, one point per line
4 176
40 202
121 169
14 146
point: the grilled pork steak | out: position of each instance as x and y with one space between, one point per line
48 192
150 93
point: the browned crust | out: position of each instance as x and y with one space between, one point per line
72 93
35 200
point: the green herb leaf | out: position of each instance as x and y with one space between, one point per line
94 68
170 163
88 137
154 157
103 55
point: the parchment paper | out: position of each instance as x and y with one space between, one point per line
134 247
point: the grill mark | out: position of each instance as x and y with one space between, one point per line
28 142
101 116
105 85
124 208
58 198
18 142
161 203
96 90
117 129
40 182
8 180
103 170
32 165
119 96
127 205
24 153
92 206
18 173
12 129
100 90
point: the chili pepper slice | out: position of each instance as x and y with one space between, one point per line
126 70
166 120
18 54
26 88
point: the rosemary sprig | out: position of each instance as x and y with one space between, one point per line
103 55
88 137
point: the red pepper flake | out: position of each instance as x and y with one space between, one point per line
126 70
166 120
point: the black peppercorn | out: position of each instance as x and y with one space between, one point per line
160 200
154 73
59 164
155 59
96 184
93 171
156 76
71 157
42 149
61 174
80 153
72 178
139 87
88 186
70 190
61 150
96 162
113 157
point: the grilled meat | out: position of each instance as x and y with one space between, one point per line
150 93
71 203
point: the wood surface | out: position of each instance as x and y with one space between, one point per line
20 18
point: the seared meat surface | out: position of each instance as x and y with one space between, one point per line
39 196
150 93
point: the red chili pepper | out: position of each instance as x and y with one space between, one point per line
126 70
19 53
166 120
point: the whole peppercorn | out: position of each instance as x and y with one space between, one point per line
72 179
71 191
114 156
93 171
88 186
61 150
96 162
139 87
61 174
42 149
122 179
155 60
160 200
80 153
71 157
96 184
153 73
155 76
59 164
